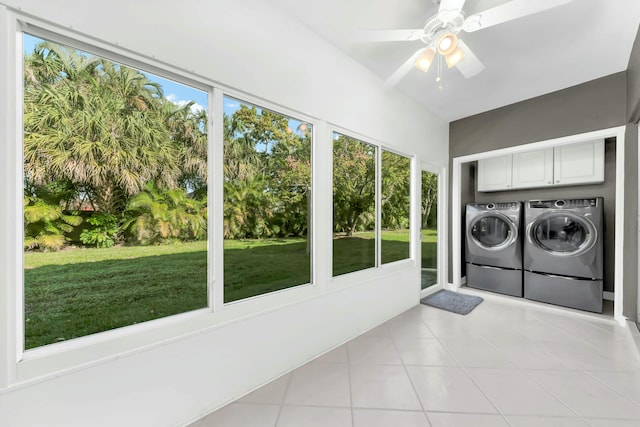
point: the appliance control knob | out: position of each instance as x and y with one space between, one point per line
560 203
491 206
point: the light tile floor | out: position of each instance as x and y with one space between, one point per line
507 363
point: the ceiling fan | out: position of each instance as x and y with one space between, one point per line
440 34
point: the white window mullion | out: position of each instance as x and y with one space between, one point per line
378 206
322 212
216 201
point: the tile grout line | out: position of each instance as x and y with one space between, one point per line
515 367
346 345
588 373
404 367
463 370
284 395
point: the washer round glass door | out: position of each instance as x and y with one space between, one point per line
563 233
493 231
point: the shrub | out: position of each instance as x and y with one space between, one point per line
103 230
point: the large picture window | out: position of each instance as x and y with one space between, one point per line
395 201
354 205
267 196
115 194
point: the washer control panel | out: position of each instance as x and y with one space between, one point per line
564 203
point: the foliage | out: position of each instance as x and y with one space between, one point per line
103 230
159 216
267 175
106 128
45 224
429 200
396 197
354 171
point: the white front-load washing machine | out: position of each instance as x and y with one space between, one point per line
563 252
493 253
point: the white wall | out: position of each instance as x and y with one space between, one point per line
208 359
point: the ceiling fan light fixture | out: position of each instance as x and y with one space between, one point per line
447 44
425 59
454 57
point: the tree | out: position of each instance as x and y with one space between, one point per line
46 224
396 184
354 170
267 175
97 124
158 216
429 197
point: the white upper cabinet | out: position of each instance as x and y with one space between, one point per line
533 169
495 173
579 163
573 164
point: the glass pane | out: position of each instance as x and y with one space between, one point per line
267 196
429 229
115 195
396 197
354 204
560 234
491 231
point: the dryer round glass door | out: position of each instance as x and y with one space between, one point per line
563 233
493 231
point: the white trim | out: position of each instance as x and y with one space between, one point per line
378 235
216 201
456 209
442 206
10 203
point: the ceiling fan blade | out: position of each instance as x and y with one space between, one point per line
507 12
404 69
387 35
470 65
449 9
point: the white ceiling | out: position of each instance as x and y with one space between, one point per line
524 58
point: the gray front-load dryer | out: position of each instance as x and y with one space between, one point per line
563 252
493 249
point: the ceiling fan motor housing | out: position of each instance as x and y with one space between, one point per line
435 28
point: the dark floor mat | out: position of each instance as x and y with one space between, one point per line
452 301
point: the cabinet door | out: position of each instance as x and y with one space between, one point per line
533 169
579 163
494 174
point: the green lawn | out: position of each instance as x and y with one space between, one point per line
78 292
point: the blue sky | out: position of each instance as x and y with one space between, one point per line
176 92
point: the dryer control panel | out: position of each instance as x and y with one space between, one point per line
564 203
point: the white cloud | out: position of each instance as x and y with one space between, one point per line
195 108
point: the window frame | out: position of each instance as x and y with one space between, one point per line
412 203
376 231
262 104
17 367
144 66
379 270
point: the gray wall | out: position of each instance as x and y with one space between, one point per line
594 105
633 83
631 176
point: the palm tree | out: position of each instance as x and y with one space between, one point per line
46 224
159 215
97 124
